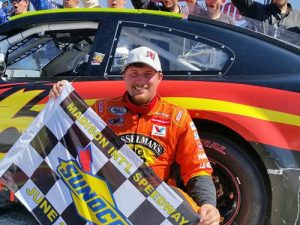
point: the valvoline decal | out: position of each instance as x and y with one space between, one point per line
91 195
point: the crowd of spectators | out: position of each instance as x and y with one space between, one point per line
278 12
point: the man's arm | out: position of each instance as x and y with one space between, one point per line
43 4
251 9
242 5
202 190
90 4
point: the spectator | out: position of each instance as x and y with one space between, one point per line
165 5
51 4
116 4
3 14
213 11
278 13
90 3
20 6
71 3
176 134
3 17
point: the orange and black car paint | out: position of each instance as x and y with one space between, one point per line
247 110
248 117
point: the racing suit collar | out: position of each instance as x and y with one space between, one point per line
141 109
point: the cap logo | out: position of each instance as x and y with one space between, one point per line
151 55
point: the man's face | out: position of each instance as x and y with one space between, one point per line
5 5
20 6
71 3
169 4
116 3
279 3
213 5
141 83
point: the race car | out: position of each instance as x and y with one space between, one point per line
241 88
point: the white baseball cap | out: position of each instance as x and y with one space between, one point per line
143 55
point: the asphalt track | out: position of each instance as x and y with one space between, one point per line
16 215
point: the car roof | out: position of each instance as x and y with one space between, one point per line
93 10
24 21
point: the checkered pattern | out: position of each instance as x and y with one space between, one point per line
30 168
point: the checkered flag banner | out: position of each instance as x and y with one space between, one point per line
70 168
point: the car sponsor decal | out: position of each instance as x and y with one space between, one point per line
97 58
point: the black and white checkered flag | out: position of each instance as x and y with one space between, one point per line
70 168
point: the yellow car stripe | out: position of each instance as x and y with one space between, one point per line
129 11
235 108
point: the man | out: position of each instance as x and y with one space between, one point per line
166 5
20 6
116 4
3 14
278 13
143 115
71 3
213 11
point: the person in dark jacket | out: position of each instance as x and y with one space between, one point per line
278 13
164 5
3 16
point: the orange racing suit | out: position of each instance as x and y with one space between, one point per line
159 133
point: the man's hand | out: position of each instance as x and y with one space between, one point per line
209 215
56 89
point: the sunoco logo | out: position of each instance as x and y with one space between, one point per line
91 195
